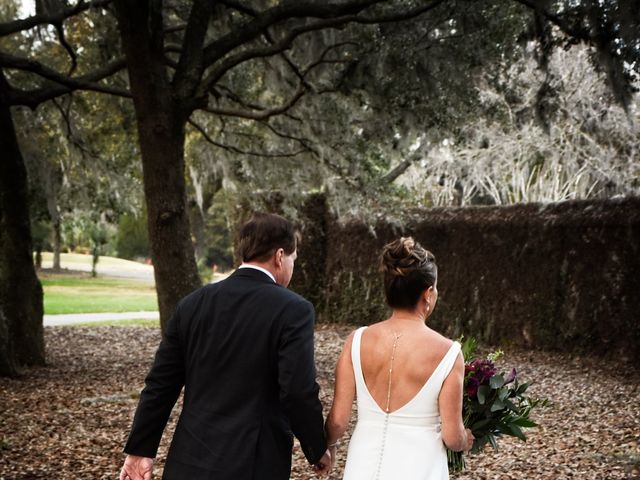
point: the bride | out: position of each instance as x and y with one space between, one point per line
406 377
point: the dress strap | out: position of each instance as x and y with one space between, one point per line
449 360
355 357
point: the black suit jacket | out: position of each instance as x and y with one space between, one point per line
243 349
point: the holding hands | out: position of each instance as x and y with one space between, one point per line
325 464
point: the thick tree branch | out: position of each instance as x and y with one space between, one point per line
32 98
190 65
398 16
255 27
574 31
84 82
399 169
266 51
175 28
240 7
284 43
235 149
15 26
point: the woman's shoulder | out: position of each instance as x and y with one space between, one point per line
439 344
440 338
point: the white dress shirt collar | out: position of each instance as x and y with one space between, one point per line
255 267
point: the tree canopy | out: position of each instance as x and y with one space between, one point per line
347 95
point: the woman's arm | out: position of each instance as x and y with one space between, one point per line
343 395
454 435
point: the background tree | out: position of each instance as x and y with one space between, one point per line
193 68
255 62
21 339
587 146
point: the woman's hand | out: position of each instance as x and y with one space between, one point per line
324 465
470 439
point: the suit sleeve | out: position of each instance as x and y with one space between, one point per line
297 379
162 388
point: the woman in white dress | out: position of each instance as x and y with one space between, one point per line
406 377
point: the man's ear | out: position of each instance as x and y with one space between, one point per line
278 256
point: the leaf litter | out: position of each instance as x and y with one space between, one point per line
71 418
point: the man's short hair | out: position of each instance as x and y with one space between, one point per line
265 233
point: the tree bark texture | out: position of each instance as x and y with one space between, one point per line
161 131
57 242
198 230
53 183
21 308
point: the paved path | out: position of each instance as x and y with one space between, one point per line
131 270
70 319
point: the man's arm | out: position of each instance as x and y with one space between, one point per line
162 388
297 378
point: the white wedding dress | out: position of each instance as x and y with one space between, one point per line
405 444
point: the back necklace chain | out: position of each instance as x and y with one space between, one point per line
396 337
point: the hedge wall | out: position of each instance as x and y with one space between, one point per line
561 276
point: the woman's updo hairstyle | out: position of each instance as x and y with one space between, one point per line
408 271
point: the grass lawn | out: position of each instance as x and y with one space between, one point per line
83 294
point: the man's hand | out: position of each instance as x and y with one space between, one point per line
323 467
137 468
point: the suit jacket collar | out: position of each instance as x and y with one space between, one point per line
253 273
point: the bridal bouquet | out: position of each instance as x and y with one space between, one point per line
494 403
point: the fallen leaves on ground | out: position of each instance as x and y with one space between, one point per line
71 418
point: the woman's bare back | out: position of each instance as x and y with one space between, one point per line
395 374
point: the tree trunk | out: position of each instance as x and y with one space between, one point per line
161 134
57 242
21 310
52 185
38 258
198 230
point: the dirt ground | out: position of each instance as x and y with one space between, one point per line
70 419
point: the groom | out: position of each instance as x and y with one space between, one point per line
243 349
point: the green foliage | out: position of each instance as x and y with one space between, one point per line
132 240
40 235
494 404
220 244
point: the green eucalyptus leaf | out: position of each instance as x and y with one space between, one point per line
496 381
497 405
483 393
511 405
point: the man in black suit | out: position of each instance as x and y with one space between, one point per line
243 349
